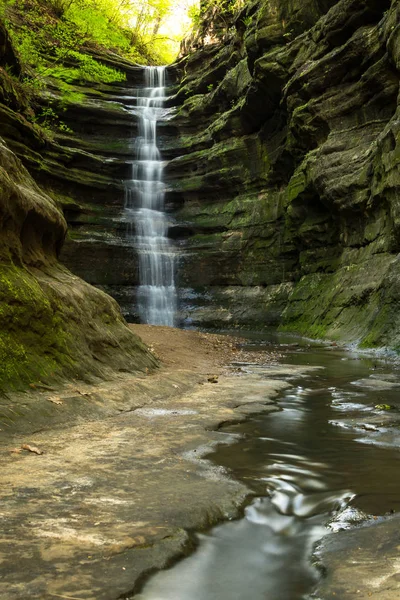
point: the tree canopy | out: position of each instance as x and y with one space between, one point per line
61 44
146 31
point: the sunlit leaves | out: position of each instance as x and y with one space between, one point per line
143 30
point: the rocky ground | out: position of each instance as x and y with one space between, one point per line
362 563
88 509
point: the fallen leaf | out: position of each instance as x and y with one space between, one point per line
55 399
83 393
31 449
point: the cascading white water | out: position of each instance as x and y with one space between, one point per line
144 208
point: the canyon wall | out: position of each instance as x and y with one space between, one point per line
288 174
53 325
282 172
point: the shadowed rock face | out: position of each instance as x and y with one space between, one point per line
289 174
53 325
7 55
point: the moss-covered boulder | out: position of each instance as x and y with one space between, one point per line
53 325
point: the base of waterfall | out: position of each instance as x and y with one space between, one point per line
114 495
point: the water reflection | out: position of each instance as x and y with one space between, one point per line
242 560
304 469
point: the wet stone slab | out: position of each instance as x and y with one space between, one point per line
363 563
109 500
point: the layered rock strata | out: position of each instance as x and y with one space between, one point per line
283 172
289 171
53 325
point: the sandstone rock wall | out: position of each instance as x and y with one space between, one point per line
288 172
53 325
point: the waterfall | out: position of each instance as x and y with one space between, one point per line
144 208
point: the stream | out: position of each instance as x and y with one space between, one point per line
321 457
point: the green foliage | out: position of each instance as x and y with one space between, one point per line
92 70
95 25
44 30
216 13
86 69
59 39
49 120
60 6
195 15
4 6
49 47
247 20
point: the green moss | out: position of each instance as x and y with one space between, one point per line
13 358
304 327
296 186
34 343
346 305
375 338
313 307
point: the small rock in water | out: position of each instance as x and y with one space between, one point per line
369 427
385 377
376 384
347 518
213 379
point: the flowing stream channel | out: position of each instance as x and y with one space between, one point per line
144 208
324 455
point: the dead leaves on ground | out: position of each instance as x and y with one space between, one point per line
29 448
55 399
86 394
58 400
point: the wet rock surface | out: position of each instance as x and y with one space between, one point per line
108 500
361 563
